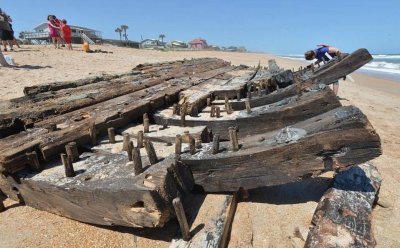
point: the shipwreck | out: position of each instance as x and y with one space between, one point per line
124 149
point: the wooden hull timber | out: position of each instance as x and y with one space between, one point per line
261 119
334 140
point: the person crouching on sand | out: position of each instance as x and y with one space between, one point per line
53 28
324 53
66 33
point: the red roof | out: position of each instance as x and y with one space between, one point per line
198 40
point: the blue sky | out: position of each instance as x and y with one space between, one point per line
279 26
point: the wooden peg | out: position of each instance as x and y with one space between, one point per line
178 144
175 109
111 135
248 107
140 139
183 116
226 99
233 139
192 145
238 95
145 116
151 152
126 141
129 151
92 133
137 160
212 112
215 147
72 151
146 125
34 161
217 111
69 168
181 216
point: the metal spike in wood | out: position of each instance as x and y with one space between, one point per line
192 145
129 151
111 135
151 152
183 116
69 168
137 160
217 112
126 141
92 133
208 101
34 161
178 144
233 139
238 95
215 147
181 216
72 151
248 107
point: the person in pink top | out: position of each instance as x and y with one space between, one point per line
53 29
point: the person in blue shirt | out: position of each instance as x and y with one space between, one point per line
324 53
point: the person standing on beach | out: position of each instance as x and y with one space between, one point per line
5 31
66 34
53 29
14 41
324 53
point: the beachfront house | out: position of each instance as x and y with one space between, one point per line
152 44
198 43
79 34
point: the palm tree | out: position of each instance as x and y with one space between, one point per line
118 30
162 36
124 28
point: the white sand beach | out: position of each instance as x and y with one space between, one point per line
267 219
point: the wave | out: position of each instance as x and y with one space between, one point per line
386 56
383 67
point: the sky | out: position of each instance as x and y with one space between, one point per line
279 26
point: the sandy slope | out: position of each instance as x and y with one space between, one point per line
267 219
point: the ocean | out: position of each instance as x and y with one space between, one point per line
383 65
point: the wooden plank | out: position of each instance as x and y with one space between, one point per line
339 138
210 225
100 193
264 118
343 215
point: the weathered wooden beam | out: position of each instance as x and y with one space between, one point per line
330 141
210 224
336 69
100 194
265 118
343 215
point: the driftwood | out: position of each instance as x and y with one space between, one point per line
343 215
334 140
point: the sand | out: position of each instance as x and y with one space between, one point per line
271 215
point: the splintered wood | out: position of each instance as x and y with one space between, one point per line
118 149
